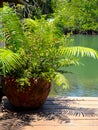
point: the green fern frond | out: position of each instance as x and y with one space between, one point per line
60 80
78 51
12 29
67 62
9 60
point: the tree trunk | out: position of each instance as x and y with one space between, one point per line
12 1
1 3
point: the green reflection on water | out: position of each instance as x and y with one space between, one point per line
84 80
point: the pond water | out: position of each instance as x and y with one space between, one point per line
84 79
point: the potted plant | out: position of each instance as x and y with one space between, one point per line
32 58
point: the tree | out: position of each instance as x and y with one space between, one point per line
12 1
78 15
31 8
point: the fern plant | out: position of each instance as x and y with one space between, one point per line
36 48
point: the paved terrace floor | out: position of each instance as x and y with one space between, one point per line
71 113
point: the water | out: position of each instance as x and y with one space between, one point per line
84 79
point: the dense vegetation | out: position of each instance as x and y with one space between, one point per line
36 48
77 16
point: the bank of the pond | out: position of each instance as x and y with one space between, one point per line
78 32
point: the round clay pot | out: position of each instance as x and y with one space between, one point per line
32 96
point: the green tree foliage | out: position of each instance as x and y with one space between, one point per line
72 15
31 8
77 15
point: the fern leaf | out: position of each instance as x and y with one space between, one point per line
67 62
12 29
60 80
9 60
78 51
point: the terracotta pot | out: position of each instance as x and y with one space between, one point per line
32 96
